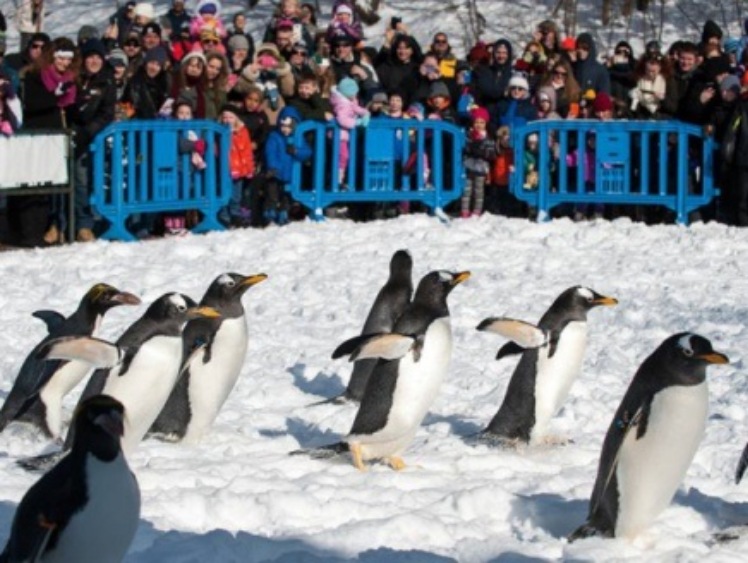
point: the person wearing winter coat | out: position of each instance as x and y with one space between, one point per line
308 101
148 90
622 70
398 67
273 75
349 114
92 111
11 111
241 164
480 152
207 18
492 80
517 109
282 150
589 73
29 54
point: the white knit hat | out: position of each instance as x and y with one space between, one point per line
145 9
519 81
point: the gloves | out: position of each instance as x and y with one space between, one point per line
62 87
166 109
200 147
271 91
363 121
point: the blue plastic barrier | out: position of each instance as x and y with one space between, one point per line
666 163
390 160
138 168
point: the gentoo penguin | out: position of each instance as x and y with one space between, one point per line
37 393
552 354
211 372
87 507
153 351
412 362
652 439
387 308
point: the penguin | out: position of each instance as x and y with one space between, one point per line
87 507
211 373
412 362
551 359
386 310
652 439
40 386
152 355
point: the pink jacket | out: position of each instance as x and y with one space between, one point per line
346 111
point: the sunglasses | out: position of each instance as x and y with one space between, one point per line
298 52
623 52
132 44
210 42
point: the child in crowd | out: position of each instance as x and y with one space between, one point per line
530 162
480 151
440 103
498 198
242 165
208 18
281 151
308 101
11 114
349 114
395 105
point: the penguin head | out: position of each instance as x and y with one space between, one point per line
579 299
230 287
401 264
102 297
178 308
99 426
435 286
686 356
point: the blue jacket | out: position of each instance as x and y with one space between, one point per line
278 161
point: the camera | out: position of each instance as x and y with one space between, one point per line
395 21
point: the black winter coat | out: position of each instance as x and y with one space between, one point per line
93 109
147 94
40 109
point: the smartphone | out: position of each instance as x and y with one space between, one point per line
395 21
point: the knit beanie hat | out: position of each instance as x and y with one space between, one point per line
238 42
93 47
348 87
157 54
438 89
711 29
479 113
145 10
117 57
210 7
193 55
519 81
602 102
730 82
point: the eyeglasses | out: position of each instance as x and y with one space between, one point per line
209 42
132 44
298 52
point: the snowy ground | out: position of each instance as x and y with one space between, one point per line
240 497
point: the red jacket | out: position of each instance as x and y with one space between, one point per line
241 160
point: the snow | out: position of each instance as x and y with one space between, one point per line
239 496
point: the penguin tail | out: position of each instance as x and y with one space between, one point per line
323 452
742 465
586 530
41 463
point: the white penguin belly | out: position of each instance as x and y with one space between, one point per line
555 375
211 383
146 386
651 469
415 390
52 394
103 530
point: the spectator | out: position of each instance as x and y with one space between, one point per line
208 18
29 54
447 62
308 16
148 89
622 67
86 32
181 43
343 24
655 96
256 120
210 42
399 70
498 198
287 17
92 111
711 39
238 57
7 71
480 152
29 20
48 94
731 48
133 48
11 111
118 61
492 80
703 93
685 70
479 55
216 87
734 158
151 36
299 60
281 151
545 102
568 93
241 164
440 103
589 73
120 25
144 14
533 64
547 35
177 16
191 77
273 75
428 74
347 63
517 109
308 101
349 114
243 39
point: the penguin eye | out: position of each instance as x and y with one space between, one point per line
181 308
687 352
230 283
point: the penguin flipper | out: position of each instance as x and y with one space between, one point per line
509 349
52 319
99 353
387 346
522 333
41 463
742 465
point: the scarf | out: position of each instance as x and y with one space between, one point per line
51 79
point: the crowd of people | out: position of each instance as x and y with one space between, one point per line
186 65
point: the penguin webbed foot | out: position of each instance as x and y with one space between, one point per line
587 530
498 441
552 440
396 463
